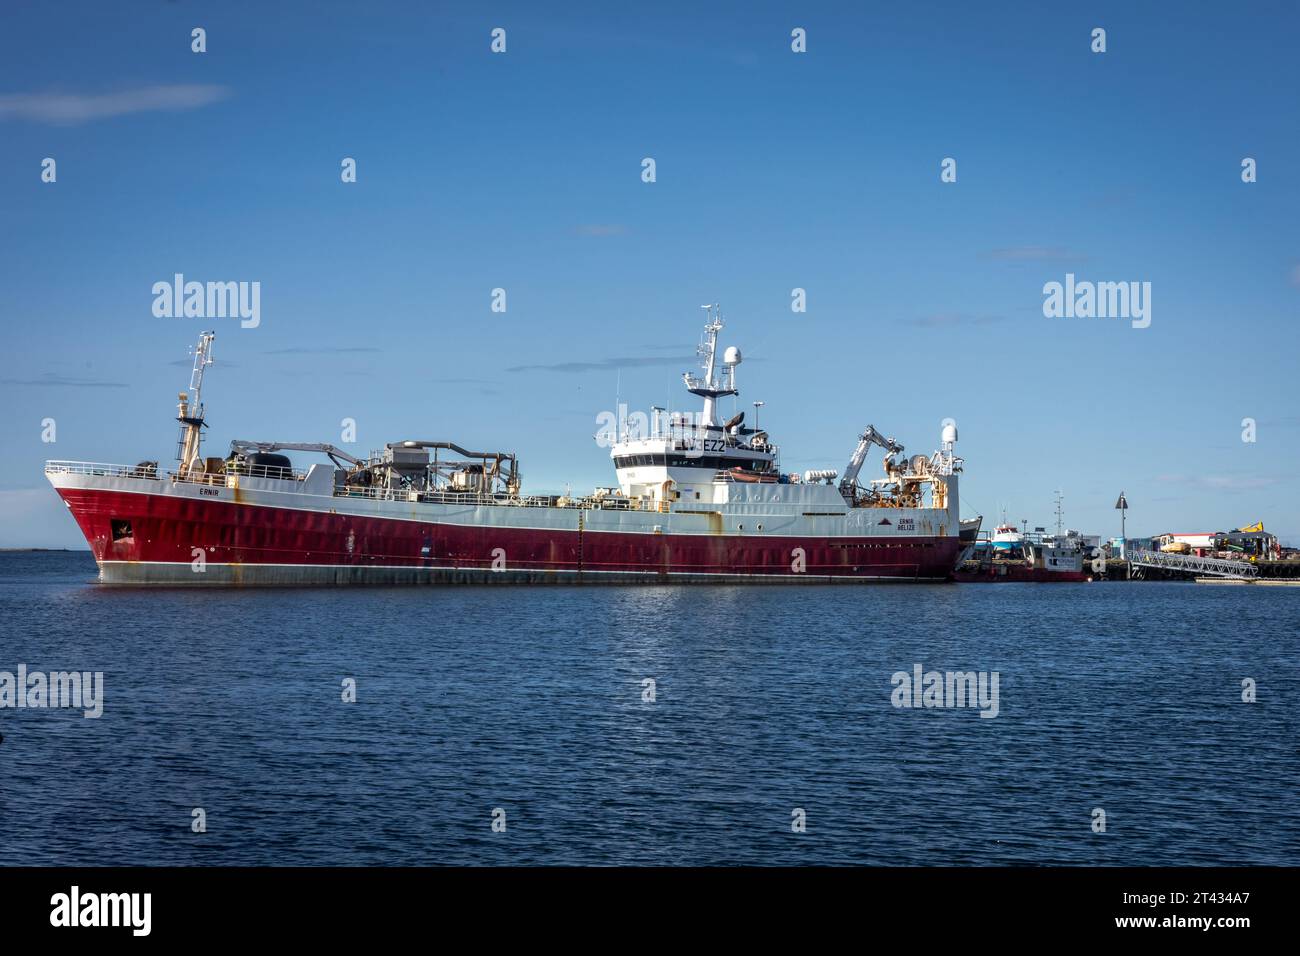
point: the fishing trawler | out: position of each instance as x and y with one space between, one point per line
1007 539
697 499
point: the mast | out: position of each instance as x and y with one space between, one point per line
713 385
189 411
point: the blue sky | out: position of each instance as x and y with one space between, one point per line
775 170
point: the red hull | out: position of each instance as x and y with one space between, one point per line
166 530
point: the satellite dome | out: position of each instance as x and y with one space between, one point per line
732 356
950 432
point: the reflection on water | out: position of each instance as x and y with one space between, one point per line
1125 697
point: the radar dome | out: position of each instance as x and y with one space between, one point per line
732 356
950 432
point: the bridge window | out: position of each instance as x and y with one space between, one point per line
712 462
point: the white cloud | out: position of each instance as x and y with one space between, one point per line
1221 482
1034 253
602 229
950 319
67 109
58 380
1238 482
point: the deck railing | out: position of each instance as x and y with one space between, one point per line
472 498
151 471
100 469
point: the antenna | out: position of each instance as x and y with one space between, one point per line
1121 505
1059 497
712 387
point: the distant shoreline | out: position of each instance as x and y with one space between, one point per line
32 550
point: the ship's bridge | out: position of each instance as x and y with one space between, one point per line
683 462
685 456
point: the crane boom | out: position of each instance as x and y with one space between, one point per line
189 411
870 436
240 444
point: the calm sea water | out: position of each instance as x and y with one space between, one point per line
1124 697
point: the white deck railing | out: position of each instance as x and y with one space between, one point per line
102 469
220 480
99 469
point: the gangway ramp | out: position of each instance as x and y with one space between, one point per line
1201 567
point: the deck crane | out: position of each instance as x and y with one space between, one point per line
337 455
189 409
869 437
